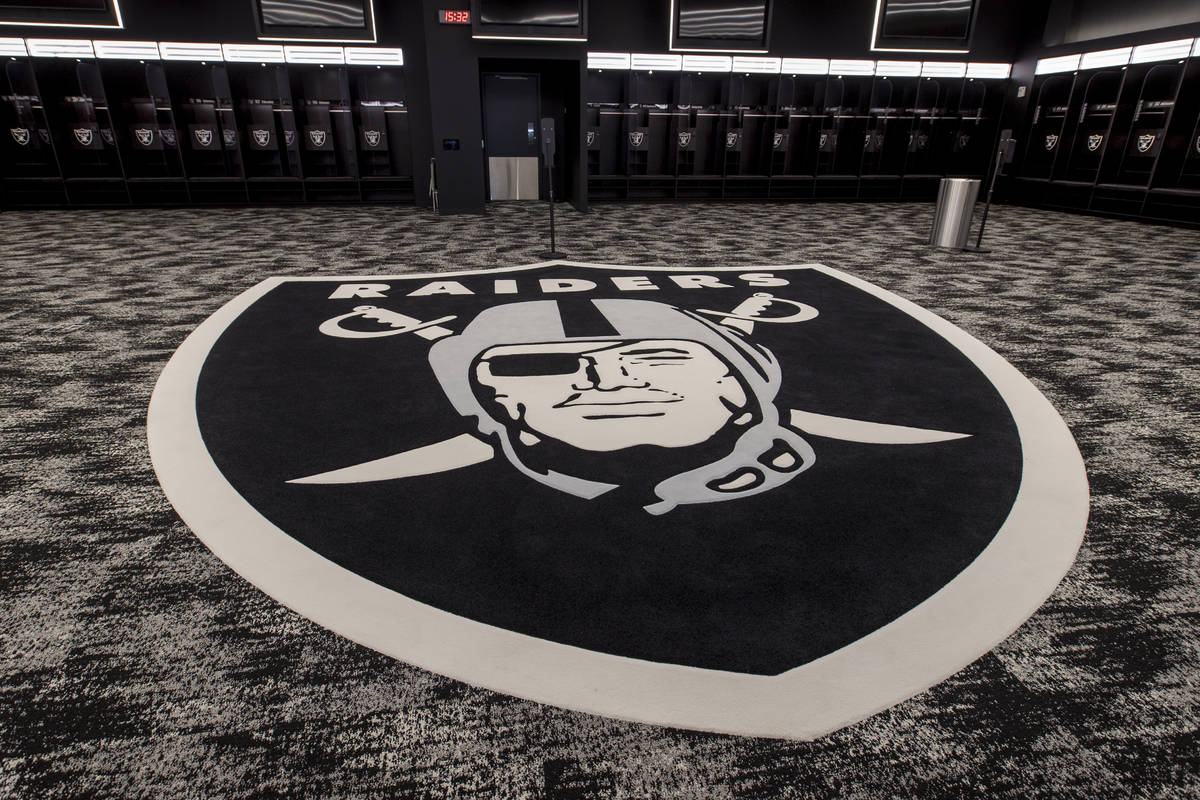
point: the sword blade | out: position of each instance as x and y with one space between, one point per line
461 451
856 430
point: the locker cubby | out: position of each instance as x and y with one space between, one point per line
83 132
325 132
146 132
208 135
29 171
383 133
267 132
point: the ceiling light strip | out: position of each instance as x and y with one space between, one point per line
12 47
60 48
1118 57
308 54
759 65
608 60
1047 66
805 66
374 56
841 66
979 69
660 61
890 69
944 69
134 51
1161 51
191 51
262 53
697 63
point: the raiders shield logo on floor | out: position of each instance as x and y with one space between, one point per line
764 502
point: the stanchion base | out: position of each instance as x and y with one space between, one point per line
554 254
976 249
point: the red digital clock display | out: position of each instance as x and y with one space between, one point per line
454 17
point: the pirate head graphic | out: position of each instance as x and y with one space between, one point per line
1051 140
20 135
584 483
262 136
1094 140
144 136
590 138
650 380
372 138
636 138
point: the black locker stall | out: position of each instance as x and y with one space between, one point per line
83 131
119 132
146 132
883 137
383 133
928 155
328 143
1115 141
267 132
29 171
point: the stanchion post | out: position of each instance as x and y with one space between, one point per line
548 153
1005 143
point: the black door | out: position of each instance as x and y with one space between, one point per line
511 114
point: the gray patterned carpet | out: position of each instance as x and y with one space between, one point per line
133 664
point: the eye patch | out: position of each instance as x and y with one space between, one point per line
530 364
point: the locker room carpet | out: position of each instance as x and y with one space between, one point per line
135 664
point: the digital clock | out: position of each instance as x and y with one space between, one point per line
454 17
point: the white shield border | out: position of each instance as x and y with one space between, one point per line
962 621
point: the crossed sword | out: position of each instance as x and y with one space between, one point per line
466 449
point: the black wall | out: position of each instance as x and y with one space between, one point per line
1072 21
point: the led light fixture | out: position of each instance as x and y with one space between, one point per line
191 51
262 53
943 69
135 51
648 61
978 69
697 63
608 60
805 66
1046 66
60 48
1105 58
1161 51
839 66
308 54
374 56
12 47
763 65
889 69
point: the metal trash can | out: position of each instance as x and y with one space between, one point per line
952 215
